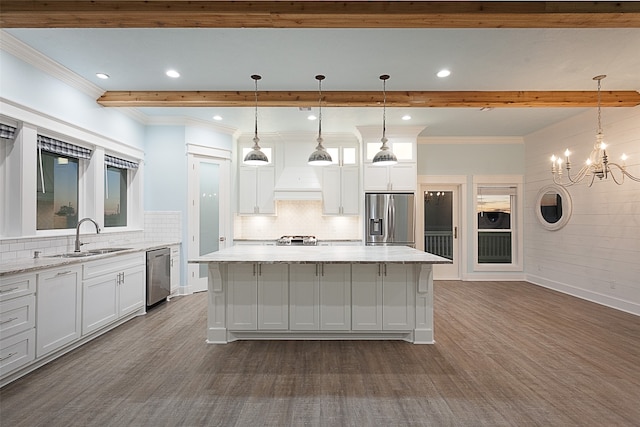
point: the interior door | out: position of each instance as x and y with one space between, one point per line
441 229
208 201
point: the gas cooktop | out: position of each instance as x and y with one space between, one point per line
297 241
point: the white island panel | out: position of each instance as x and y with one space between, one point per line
319 292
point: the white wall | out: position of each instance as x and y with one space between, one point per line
596 256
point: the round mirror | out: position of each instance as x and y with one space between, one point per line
553 207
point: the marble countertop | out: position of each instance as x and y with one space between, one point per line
323 254
26 265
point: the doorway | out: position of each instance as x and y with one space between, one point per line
441 227
208 206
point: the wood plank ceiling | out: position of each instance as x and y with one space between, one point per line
334 14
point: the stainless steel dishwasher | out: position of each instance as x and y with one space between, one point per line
158 275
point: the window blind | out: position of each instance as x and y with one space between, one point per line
119 163
496 191
55 146
7 132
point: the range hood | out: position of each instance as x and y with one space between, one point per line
298 183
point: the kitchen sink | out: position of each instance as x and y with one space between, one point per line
105 250
87 253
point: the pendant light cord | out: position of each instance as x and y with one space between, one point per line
319 105
256 78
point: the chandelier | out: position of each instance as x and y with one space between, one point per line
597 165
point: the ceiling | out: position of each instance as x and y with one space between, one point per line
223 59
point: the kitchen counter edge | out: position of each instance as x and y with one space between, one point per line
27 265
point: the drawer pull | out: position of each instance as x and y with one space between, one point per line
9 320
8 356
4 291
63 273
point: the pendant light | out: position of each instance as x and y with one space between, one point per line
320 157
385 156
256 157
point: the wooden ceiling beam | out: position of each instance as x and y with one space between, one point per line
317 14
452 99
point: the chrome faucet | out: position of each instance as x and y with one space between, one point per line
78 244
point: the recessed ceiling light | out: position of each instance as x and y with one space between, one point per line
217 117
102 76
406 117
311 117
173 74
443 73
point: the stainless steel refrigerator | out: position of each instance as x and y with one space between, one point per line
390 219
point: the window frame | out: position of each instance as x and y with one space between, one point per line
516 221
20 214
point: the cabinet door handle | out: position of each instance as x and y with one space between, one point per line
9 320
4 291
8 356
322 269
259 269
379 270
254 269
385 269
455 232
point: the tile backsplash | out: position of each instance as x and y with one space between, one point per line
158 227
298 217
161 226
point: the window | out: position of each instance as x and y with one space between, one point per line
116 194
498 223
58 166
494 207
115 197
57 192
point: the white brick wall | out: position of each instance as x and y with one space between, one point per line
162 226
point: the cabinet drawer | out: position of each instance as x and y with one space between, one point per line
17 350
17 285
17 315
111 265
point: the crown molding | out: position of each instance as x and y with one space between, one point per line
26 53
481 140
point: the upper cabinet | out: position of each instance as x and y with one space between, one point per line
341 181
256 183
399 177
255 190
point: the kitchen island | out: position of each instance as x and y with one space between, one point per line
320 293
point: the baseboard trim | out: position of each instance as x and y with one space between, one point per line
616 303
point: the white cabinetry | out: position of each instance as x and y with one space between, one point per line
398 297
175 269
335 297
383 297
366 297
320 297
112 288
399 177
58 308
340 190
17 321
258 297
255 189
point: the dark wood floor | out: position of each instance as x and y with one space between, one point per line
507 354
